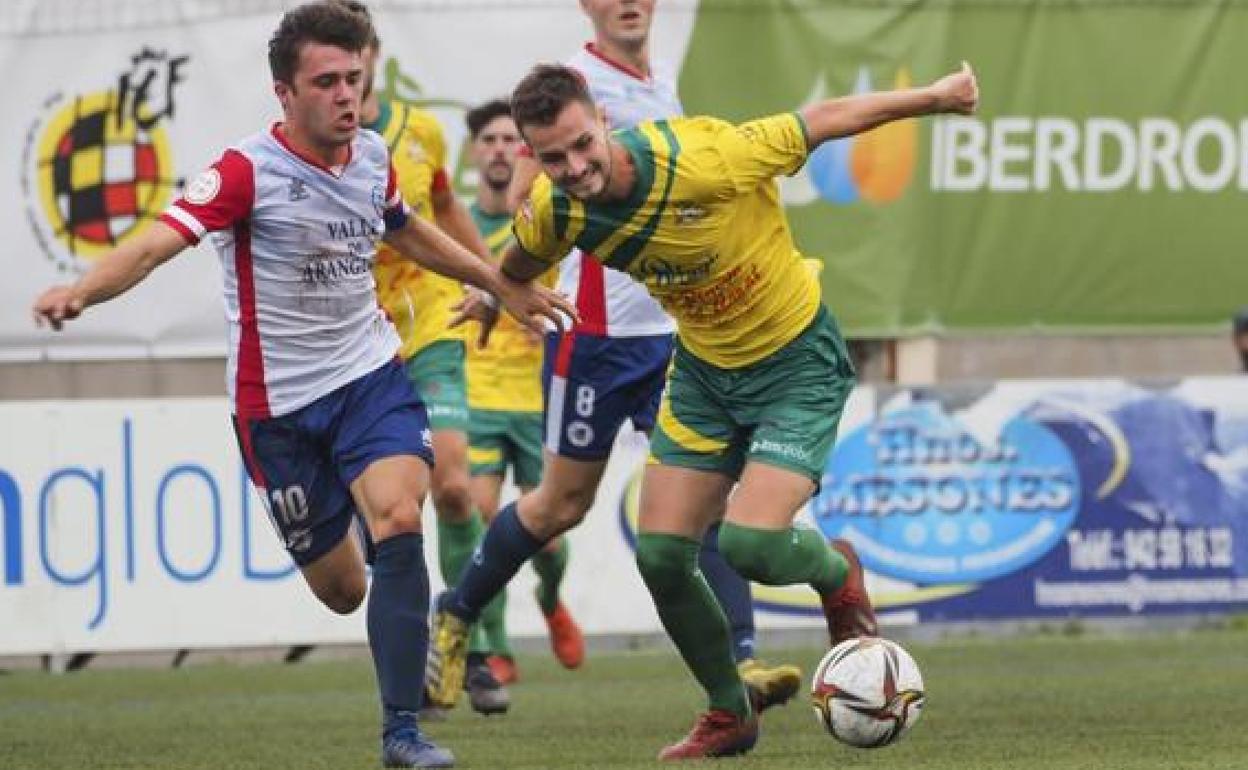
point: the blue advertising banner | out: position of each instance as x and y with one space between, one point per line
1048 499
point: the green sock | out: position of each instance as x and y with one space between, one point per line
781 557
550 566
494 624
456 542
693 618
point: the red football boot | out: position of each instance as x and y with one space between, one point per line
717 733
848 609
566 640
504 669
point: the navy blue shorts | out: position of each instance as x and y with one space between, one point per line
593 384
303 463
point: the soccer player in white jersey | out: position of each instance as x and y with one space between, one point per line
326 420
609 368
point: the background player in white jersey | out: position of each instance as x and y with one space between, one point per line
327 423
611 366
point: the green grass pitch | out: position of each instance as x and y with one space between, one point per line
1037 702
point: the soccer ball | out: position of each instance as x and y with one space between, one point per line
867 692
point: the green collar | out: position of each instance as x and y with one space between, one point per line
384 114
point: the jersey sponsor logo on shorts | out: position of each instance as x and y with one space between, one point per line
780 448
97 166
299 540
580 434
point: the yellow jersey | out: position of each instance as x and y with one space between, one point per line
418 301
507 374
702 228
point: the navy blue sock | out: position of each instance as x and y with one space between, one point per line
507 545
398 626
733 593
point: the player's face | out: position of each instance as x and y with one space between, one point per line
573 151
494 151
324 100
623 22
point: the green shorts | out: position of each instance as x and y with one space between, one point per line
499 438
437 372
782 410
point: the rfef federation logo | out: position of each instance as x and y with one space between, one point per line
97 166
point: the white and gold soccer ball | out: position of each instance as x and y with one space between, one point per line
867 692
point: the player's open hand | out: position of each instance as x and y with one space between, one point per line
957 92
533 305
56 306
476 306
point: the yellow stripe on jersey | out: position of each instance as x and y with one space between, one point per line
418 301
703 228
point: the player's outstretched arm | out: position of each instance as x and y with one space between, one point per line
429 246
119 270
531 304
957 92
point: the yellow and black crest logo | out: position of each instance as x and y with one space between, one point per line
98 167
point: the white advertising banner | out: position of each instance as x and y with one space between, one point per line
105 125
130 525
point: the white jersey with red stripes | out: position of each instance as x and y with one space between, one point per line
611 303
296 241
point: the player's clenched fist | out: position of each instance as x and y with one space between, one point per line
958 91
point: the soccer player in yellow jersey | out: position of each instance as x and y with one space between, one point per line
419 304
505 402
689 207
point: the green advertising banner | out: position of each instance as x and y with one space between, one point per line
1100 188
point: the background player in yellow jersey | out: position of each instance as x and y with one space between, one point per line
505 403
760 375
419 304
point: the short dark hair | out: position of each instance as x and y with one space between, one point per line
328 22
544 92
357 7
483 114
